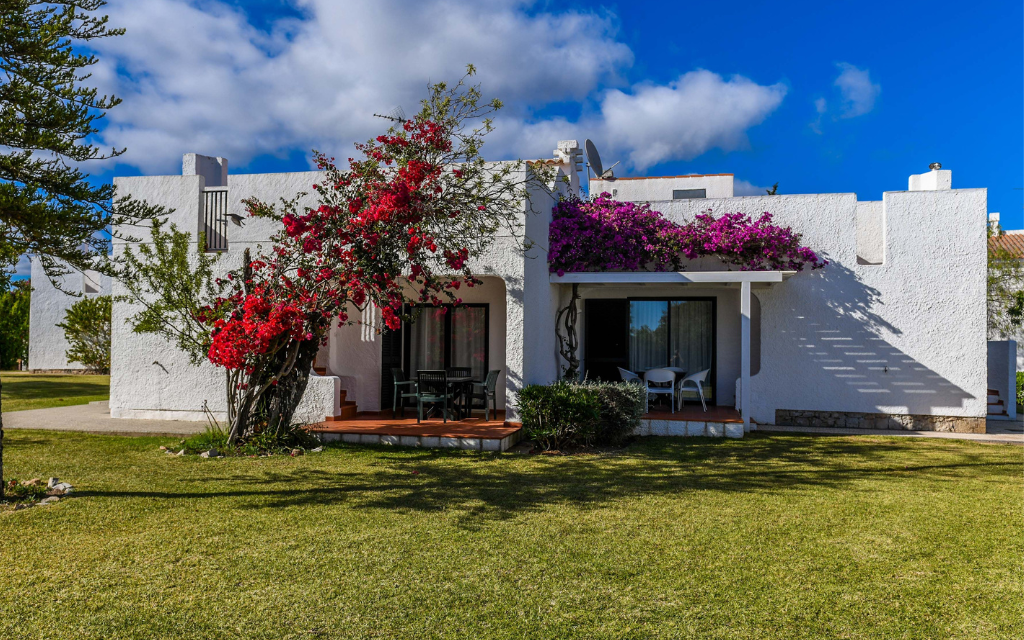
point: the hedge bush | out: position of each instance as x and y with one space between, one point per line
574 414
622 407
560 415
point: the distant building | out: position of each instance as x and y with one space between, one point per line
46 343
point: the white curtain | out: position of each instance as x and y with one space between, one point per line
690 345
469 336
648 335
426 340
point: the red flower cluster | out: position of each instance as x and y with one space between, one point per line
254 331
376 224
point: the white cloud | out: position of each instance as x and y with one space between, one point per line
857 90
698 111
745 188
203 79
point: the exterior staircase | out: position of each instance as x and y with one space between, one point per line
348 407
996 406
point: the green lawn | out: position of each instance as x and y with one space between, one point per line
765 537
40 391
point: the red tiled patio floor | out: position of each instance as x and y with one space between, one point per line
476 427
694 413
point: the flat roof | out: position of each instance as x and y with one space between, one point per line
669 277
692 175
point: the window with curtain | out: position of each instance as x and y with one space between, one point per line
469 340
672 333
648 334
448 336
426 340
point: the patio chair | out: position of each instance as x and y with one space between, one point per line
660 377
432 388
459 372
400 394
697 380
629 376
485 391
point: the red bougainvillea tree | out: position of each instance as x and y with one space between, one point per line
401 222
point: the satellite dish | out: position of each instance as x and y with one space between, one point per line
593 158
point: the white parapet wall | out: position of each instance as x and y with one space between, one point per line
654 188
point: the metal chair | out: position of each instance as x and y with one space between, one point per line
399 394
662 376
460 372
485 391
432 387
698 381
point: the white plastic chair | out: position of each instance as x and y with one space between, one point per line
698 381
662 376
629 376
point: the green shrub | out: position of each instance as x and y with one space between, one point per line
14 305
87 329
1020 388
622 407
560 415
258 443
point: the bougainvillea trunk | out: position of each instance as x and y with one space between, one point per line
281 400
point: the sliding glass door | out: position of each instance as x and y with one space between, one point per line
448 336
676 333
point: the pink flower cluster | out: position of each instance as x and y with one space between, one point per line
605 235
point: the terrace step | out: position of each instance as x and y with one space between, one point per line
370 428
996 407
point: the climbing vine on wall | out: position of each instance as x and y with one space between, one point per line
606 235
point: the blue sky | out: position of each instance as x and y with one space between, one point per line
820 97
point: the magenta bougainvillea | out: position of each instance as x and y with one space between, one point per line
605 235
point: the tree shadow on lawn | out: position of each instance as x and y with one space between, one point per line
48 389
502 486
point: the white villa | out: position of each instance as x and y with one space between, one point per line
891 334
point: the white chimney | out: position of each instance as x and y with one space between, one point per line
934 180
215 170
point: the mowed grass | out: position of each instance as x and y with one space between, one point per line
41 391
764 537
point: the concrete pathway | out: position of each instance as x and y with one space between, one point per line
998 431
95 418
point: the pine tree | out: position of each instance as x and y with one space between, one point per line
48 207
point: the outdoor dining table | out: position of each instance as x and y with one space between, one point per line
461 385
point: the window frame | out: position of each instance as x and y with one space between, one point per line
447 355
713 374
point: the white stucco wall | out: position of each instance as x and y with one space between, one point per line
906 336
48 305
656 188
870 232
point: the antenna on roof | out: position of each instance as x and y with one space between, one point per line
594 161
395 115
